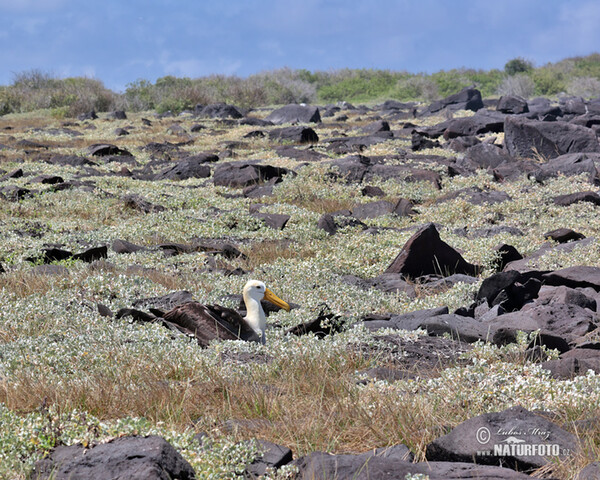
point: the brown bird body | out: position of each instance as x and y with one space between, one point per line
214 322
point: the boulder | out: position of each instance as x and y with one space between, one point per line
512 104
478 124
244 174
529 138
569 165
123 246
273 220
563 235
324 466
574 363
192 167
294 134
467 99
302 155
138 203
295 114
570 199
331 223
220 110
425 253
376 126
274 456
505 438
105 149
560 325
574 277
135 458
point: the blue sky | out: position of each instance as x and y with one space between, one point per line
119 41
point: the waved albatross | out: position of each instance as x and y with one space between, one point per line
209 322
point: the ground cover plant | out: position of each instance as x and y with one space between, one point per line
71 371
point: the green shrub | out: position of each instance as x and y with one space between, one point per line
548 81
518 65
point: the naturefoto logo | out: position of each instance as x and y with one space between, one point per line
513 446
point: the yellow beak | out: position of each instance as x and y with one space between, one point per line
275 300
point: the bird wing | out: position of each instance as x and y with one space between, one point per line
210 322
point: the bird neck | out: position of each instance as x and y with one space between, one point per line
255 315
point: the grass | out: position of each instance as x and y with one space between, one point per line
68 374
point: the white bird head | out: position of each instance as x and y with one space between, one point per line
255 291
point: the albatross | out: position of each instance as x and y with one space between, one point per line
209 322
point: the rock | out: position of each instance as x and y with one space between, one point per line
512 104
485 155
220 110
590 472
563 235
569 165
372 210
506 254
47 179
391 283
138 203
49 270
274 456
462 328
192 167
573 363
562 294
294 134
123 246
117 115
425 253
73 160
331 223
104 149
135 458
377 126
302 155
372 191
579 276
120 132
420 142
467 99
528 138
244 174
414 317
478 124
509 436
404 208
560 325
295 114
324 466
87 116
525 264
92 254
273 220
254 121
326 323
570 199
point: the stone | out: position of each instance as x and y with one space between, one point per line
590 472
302 155
294 134
570 199
255 122
123 246
376 126
485 155
331 223
391 283
105 149
192 167
295 114
467 99
525 265
578 276
459 327
138 203
273 220
372 209
574 363
244 174
425 253
562 294
117 115
92 254
324 466
563 235
505 254
512 433
512 104
135 458
478 124
529 138
560 325
274 456
568 165
220 110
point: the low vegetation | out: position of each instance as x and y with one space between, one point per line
35 90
